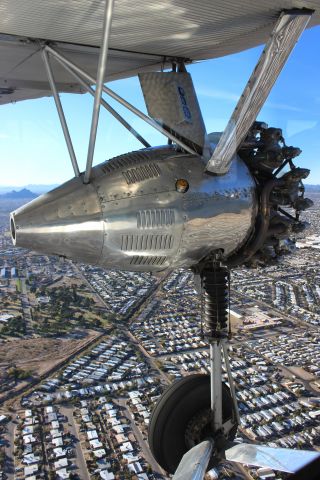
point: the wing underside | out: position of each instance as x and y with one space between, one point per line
146 35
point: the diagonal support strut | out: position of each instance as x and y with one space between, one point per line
108 107
66 62
286 33
61 114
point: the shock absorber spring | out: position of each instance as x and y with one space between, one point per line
215 300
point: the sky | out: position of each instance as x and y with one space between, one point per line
33 150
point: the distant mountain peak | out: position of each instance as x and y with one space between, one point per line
23 193
35 188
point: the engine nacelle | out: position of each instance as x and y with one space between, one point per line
136 215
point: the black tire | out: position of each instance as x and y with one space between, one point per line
179 404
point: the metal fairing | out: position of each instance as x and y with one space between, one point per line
66 221
171 99
146 225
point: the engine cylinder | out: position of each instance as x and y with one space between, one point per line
132 215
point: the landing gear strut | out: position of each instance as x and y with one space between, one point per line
200 407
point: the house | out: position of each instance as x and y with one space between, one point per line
57 441
55 425
126 447
94 444
100 453
62 473
59 452
27 430
112 413
135 467
129 457
28 439
92 434
51 417
27 449
61 463
31 470
121 438
30 459
118 428
86 418
105 475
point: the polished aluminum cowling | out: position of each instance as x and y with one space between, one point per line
132 216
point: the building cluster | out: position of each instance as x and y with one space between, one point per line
292 288
111 367
44 445
28 446
4 419
298 349
6 272
265 402
90 418
272 410
168 324
120 291
109 419
107 440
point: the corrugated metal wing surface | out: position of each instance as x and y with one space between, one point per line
149 30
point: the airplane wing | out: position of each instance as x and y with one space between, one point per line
145 35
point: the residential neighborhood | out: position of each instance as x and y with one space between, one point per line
86 354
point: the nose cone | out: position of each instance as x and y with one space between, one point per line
66 221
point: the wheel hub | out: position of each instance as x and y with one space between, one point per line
198 428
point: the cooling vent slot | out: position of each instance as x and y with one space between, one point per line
155 218
139 260
126 161
146 242
144 172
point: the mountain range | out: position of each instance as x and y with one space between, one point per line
34 188
15 195
30 192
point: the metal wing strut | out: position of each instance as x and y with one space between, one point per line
285 34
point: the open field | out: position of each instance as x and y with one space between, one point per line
39 355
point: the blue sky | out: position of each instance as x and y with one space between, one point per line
32 148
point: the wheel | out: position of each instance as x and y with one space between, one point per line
182 418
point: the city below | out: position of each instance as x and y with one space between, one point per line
85 354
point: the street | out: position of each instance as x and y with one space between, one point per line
79 460
9 448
